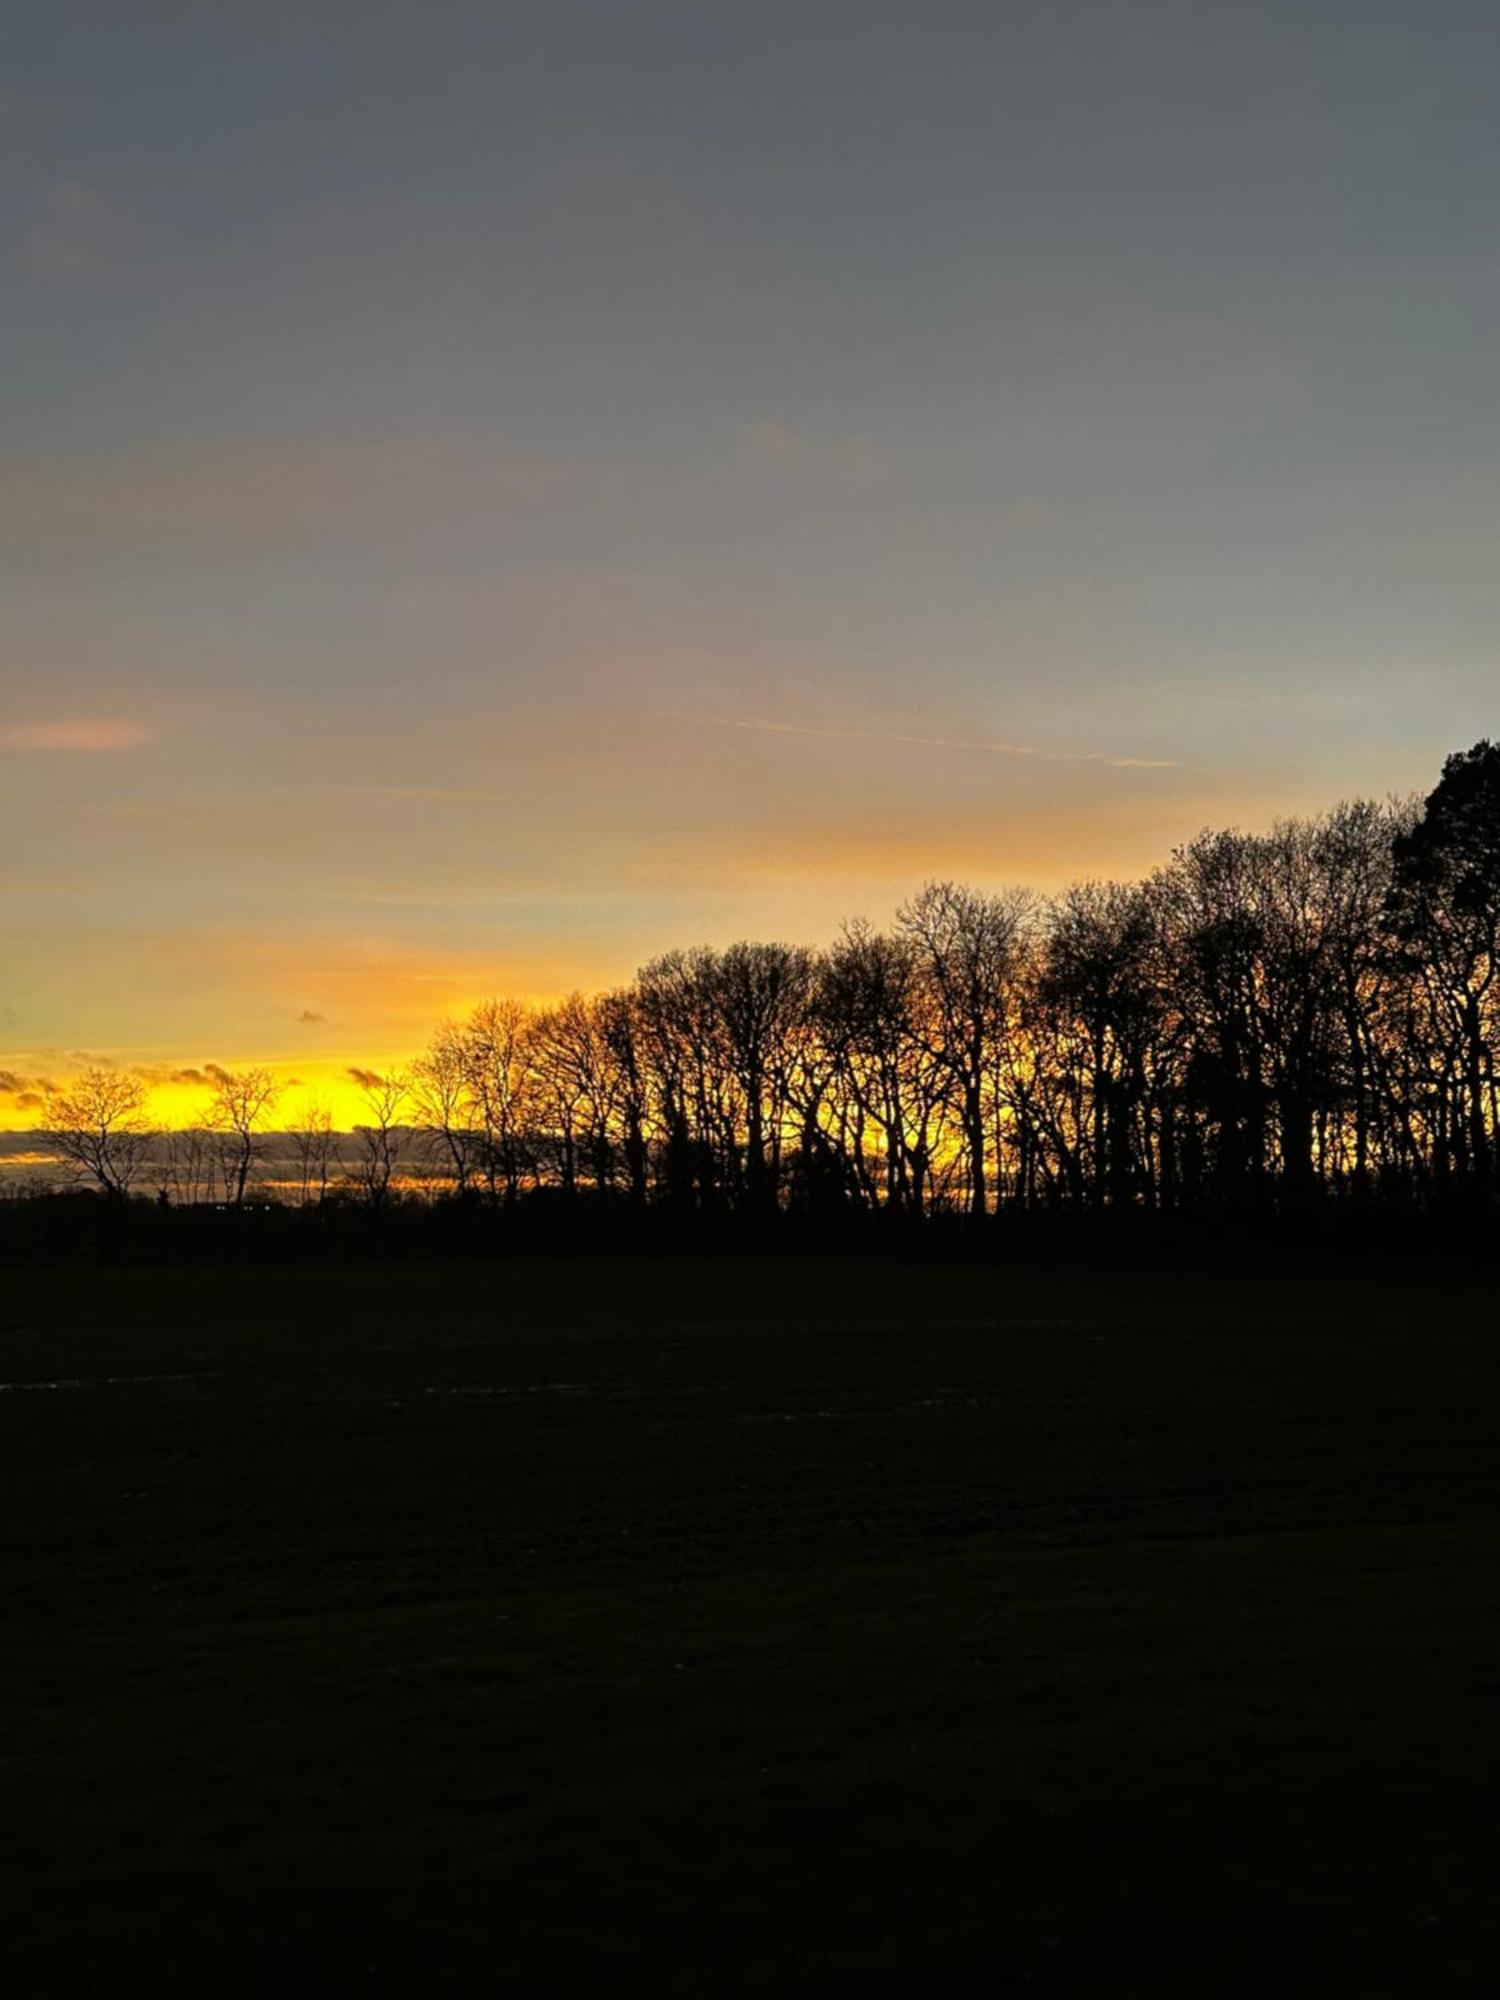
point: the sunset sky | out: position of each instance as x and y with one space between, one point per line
489 492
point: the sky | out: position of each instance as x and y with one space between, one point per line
489 492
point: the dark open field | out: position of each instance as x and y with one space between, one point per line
715 1628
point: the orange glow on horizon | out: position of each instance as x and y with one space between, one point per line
314 1007
181 1100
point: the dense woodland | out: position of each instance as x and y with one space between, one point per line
1278 1021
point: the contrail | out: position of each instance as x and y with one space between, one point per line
994 746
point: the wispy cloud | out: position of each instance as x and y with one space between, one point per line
87 733
773 441
249 497
989 745
149 817
460 794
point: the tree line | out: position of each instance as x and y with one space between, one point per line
1270 1020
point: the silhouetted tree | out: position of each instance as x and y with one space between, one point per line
316 1146
239 1101
1295 1017
97 1125
1101 986
496 1057
380 1137
444 1102
1444 911
627 1108
971 950
187 1165
885 1103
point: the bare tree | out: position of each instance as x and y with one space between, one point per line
1271 1018
971 951
380 1139
761 996
444 1105
1096 1038
238 1102
1444 909
186 1162
622 1050
496 1058
97 1125
316 1146
885 1103
562 1058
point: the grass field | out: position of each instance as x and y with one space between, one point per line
726 1629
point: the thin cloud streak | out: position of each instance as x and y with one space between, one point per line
94 734
993 745
460 794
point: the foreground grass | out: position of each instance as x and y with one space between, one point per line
714 1628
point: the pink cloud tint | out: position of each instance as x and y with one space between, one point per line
92 733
